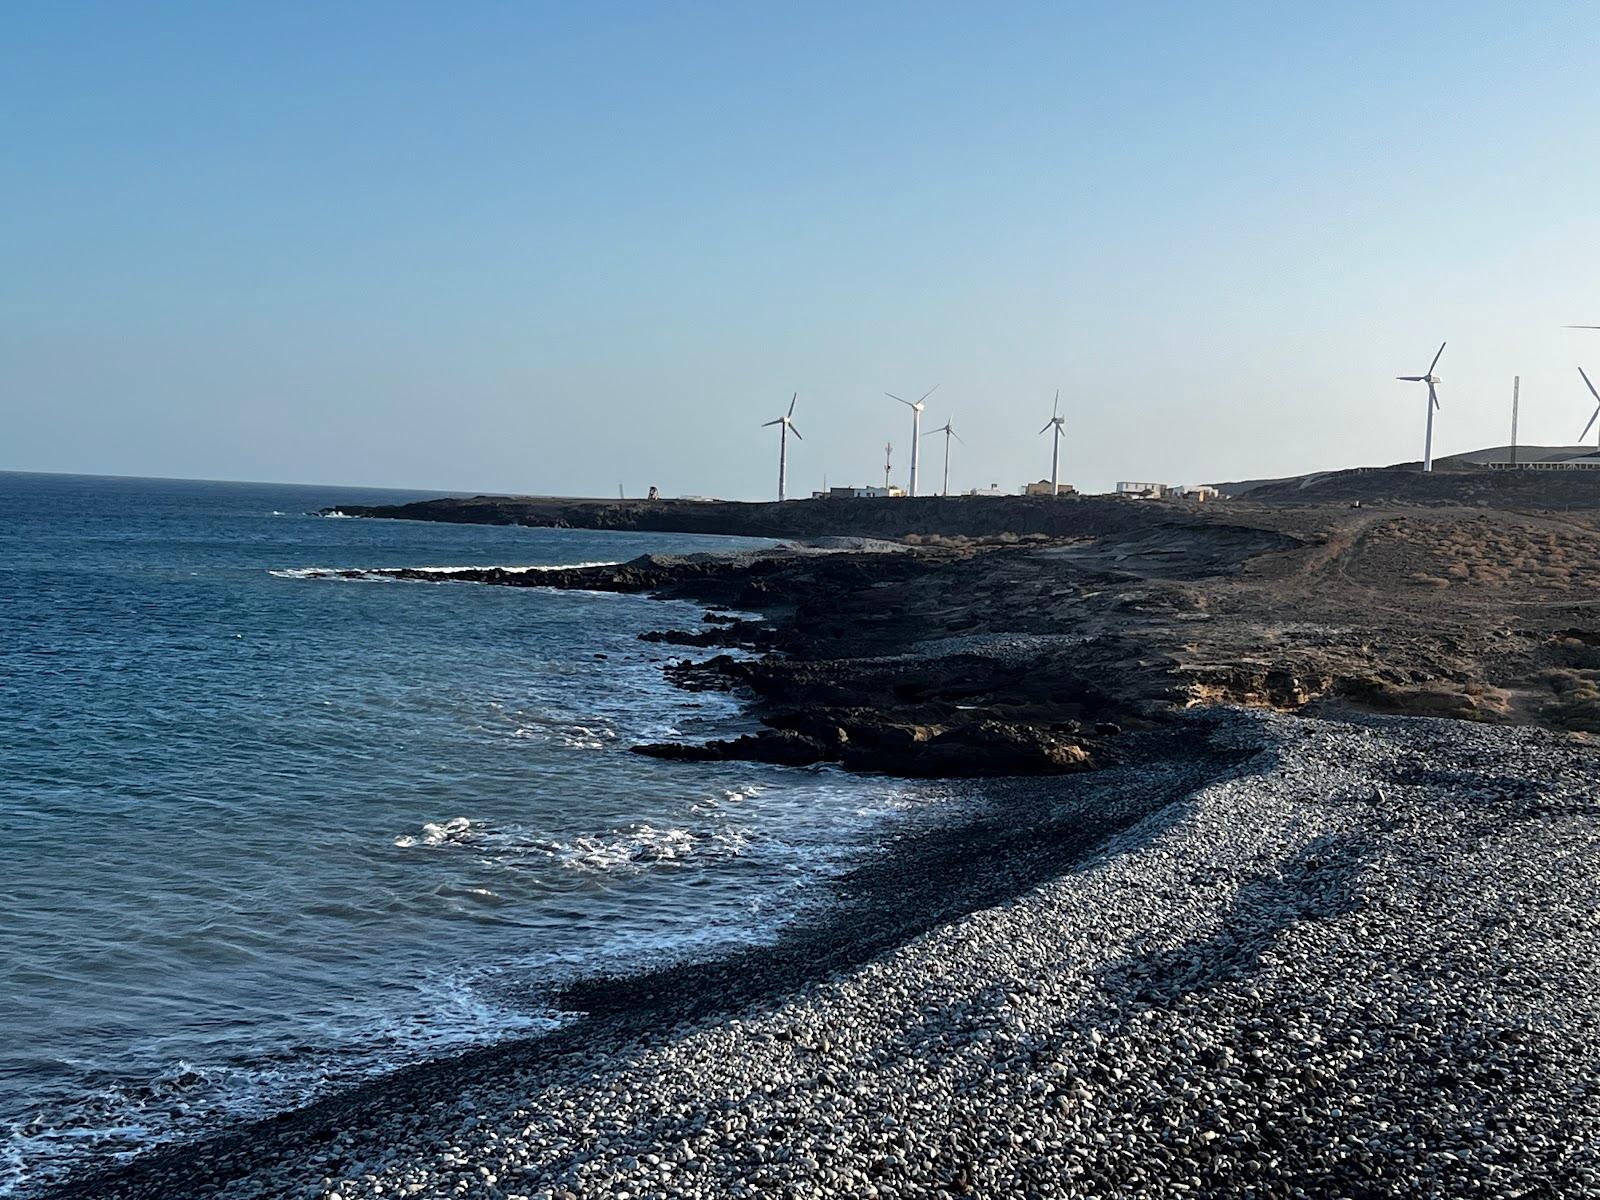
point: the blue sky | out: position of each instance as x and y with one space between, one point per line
554 248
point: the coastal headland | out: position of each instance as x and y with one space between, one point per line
1026 626
1279 876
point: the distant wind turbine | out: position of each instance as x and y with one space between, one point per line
1596 396
785 428
1433 402
1059 423
948 429
916 429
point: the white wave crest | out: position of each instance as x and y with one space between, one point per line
388 573
629 849
438 833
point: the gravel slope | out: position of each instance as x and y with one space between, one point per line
1366 965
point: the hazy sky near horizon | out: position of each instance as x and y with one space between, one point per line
524 247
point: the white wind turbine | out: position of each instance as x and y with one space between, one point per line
1059 423
916 430
1596 396
786 427
948 429
1433 402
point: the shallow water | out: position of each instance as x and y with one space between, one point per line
265 834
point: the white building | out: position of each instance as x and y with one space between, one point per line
859 493
1141 491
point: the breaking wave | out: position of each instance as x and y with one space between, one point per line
630 848
388 573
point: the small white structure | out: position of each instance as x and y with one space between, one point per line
992 490
1141 491
1198 491
859 493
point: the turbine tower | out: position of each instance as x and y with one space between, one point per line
948 429
1433 402
1059 423
1596 396
916 429
785 428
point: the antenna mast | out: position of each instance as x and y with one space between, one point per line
1516 395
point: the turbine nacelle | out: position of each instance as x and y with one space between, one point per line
787 420
1432 381
917 406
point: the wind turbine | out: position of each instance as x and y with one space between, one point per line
948 429
786 427
1433 402
1596 396
1059 423
916 430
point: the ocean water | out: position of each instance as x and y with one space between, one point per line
266 834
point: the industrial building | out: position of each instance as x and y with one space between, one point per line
859 493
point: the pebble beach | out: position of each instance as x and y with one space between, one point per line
1362 961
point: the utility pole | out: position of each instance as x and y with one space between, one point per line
1516 396
888 463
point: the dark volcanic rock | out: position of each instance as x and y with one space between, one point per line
868 743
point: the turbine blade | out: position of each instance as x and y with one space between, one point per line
1581 327
795 431
1592 392
928 393
1436 358
902 399
1590 425
1412 378
1433 396
779 421
1047 426
1055 410
958 437
792 400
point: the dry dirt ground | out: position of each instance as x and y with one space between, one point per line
1438 611
1441 611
